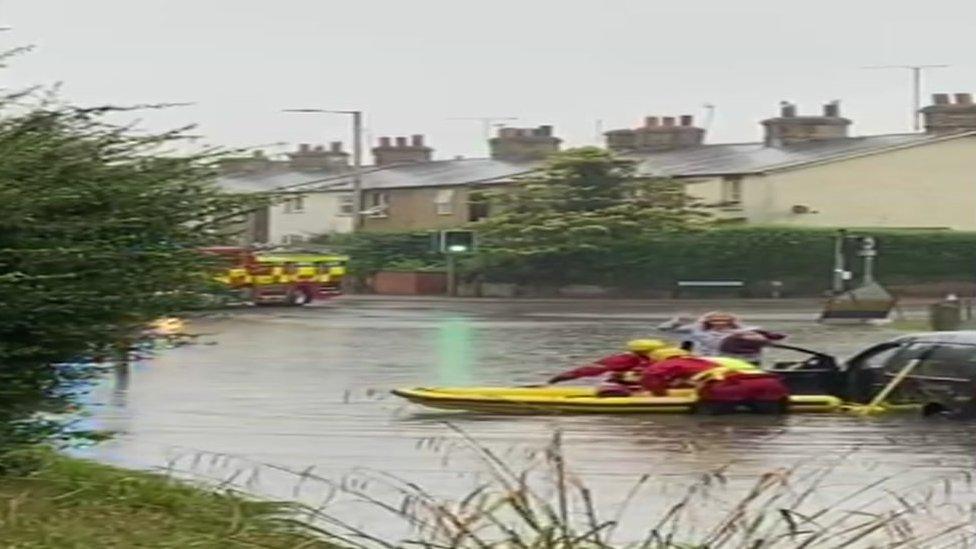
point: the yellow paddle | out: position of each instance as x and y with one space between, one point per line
875 406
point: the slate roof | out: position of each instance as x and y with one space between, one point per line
441 173
702 161
753 158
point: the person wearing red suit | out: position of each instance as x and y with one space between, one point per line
723 384
622 370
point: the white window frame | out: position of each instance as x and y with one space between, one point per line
347 204
294 204
732 191
292 238
379 203
444 202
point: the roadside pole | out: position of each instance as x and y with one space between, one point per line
451 274
840 268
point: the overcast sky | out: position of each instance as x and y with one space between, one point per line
413 65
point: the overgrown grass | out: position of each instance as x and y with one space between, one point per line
545 506
50 501
542 505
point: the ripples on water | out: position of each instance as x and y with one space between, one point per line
308 388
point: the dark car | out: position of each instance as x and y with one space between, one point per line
940 380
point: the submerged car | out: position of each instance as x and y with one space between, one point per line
942 381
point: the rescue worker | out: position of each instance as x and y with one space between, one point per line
624 368
722 334
723 383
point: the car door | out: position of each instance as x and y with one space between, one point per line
945 376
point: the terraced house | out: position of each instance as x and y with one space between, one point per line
804 170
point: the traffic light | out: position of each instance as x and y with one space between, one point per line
457 242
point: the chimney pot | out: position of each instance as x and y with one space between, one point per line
417 140
304 147
384 142
651 121
668 121
335 146
964 99
940 98
787 110
401 142
319 148
832 109
687 120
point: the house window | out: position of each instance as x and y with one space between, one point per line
478 207
294 204
444 201
378 203
292 239
346 204
731 191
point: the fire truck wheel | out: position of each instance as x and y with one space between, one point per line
299 298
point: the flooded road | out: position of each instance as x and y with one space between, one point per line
308 388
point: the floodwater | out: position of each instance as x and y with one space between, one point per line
270 390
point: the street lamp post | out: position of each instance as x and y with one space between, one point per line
357 160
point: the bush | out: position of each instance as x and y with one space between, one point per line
800 258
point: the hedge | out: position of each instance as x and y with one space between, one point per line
800 258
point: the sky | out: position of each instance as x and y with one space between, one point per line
414 66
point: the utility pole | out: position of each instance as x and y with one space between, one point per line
916 87
840 268
357 160
486 122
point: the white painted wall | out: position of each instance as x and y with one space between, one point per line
321 213
930 186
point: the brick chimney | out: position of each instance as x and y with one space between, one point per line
257 162
657 134
519 144
947 116
309 158
789 128
403 151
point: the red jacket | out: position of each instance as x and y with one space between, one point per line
659 376
616 365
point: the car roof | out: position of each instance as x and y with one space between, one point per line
966 337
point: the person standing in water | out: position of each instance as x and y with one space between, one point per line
722 334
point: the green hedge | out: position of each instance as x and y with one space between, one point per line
801 258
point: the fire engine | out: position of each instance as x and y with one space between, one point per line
276 276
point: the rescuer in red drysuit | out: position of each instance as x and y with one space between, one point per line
623 369
723 383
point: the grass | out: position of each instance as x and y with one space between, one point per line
73 503
60 502
544 505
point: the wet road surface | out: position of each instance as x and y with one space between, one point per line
301 388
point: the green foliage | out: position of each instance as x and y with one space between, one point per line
583 201
99 230
372 252
801 258
64 502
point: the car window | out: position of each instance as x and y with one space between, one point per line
875 357
905 354
950 361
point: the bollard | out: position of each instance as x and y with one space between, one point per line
946 315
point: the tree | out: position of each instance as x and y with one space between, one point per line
99 231
581 205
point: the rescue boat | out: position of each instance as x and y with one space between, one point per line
579 400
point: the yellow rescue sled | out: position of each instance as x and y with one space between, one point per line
579 400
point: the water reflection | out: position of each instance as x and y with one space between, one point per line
308 389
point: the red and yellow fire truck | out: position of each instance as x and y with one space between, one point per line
281 276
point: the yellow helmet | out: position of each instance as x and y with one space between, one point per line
734 364
645 345
668 352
